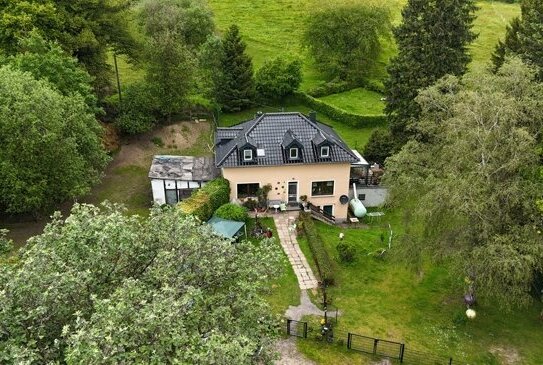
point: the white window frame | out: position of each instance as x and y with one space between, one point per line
323 155
249 156
295 149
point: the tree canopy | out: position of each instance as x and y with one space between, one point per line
278 78
433 41
84 29
51 148
345 40
104 287
474 174
46 60
524 37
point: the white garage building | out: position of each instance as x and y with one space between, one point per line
173 178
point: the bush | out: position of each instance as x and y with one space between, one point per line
346 252
232 212
136 111
379 146
250 204
206 200
316 245
354 120
278 78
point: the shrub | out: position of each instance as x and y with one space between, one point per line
380 145
278 78
136 111
316 245
346 252
354 120
232 212
157 141
250 204
206 200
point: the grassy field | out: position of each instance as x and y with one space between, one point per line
355 138
357 101
380 297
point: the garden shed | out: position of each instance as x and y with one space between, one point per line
227 228
173 178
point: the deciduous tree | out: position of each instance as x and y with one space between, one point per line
278 78
474 174
51 148
104 287
345 40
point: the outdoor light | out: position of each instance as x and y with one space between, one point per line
470 313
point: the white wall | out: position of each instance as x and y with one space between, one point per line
158 191
375 195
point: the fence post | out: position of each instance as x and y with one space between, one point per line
305 329
375 346
288 327
349 339
450 360
402 349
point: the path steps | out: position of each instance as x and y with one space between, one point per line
287 237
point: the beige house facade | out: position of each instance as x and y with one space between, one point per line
323 184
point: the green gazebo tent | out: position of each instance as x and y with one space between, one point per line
226 228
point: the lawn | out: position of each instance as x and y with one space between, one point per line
357 101
356 138
381 297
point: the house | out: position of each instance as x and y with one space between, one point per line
295 154
173 178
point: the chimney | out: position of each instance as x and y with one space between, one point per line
313 116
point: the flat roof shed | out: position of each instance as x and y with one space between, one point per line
174 177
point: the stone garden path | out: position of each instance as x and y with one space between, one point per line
284 222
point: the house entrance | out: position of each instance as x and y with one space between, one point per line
292 192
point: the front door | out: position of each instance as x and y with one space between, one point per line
292 192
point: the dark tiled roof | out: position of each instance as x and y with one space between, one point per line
269 131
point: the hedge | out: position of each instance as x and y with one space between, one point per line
316 245
205 201
354 120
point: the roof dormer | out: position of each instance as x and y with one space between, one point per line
292 148
322 146
247 151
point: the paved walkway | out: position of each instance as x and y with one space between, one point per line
284 221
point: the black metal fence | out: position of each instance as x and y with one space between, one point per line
396 351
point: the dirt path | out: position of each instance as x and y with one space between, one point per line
125 178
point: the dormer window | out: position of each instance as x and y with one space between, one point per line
293 153
325 151
247 155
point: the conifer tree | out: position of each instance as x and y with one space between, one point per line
235 88
524 37
432 42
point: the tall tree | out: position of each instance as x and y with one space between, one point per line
432 42
45 60
524 37
84 28
235 89
474 174
51 147
174 32
345 40
104 287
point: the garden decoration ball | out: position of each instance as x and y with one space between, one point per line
471 313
